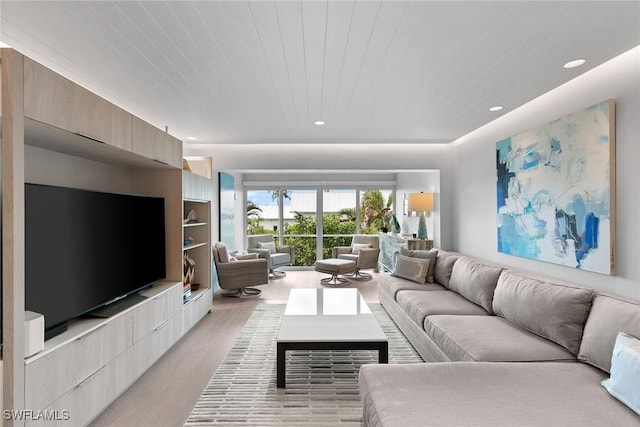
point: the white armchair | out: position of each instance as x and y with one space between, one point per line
364 251
276 255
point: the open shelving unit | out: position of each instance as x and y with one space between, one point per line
196 193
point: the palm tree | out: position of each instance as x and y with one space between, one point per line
276 193
254 218
253 211
347 214
374 209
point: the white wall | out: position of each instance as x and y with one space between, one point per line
473 170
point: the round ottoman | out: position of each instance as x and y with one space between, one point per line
334 267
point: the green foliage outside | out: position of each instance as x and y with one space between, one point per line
374 214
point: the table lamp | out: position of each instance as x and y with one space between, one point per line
421 202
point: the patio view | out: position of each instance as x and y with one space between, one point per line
315 220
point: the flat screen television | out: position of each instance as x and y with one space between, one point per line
85 249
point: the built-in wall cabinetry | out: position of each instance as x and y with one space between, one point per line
84 368
57 101
196 244
65 134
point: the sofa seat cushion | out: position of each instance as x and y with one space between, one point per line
391 285
489 394
418 305
349 257
490 339
280 258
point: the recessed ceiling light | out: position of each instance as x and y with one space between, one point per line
496 108
318 123
191 138
575 63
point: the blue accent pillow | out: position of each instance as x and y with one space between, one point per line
624 382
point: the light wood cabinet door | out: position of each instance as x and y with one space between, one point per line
57 101
147 139
195 310
48 97
122 133
92 114
152 346
172 152
89 397
117 337
150 316
155 144
49 377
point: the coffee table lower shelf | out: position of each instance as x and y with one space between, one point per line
283 347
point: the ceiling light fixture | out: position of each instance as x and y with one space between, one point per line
318 123
496 108
191 138
575 63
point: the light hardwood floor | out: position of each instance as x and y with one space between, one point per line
166 393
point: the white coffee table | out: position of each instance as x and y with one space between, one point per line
328 319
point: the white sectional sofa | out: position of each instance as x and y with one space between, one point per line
515 350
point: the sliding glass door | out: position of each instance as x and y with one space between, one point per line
300 226
339 218
314 220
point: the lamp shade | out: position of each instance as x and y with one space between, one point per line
420 202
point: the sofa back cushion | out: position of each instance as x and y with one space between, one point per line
552 310
475 281
444 264
609 315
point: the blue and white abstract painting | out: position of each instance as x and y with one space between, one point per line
554 191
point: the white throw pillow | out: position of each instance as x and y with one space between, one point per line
270 246
355 248
624 382
414 269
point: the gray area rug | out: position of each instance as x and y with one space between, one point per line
322 386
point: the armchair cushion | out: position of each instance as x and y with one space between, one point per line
270 246
223 252
349 257
368 258
336 251
355 248
278 259
284 249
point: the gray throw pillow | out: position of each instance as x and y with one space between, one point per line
414 269
430 255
